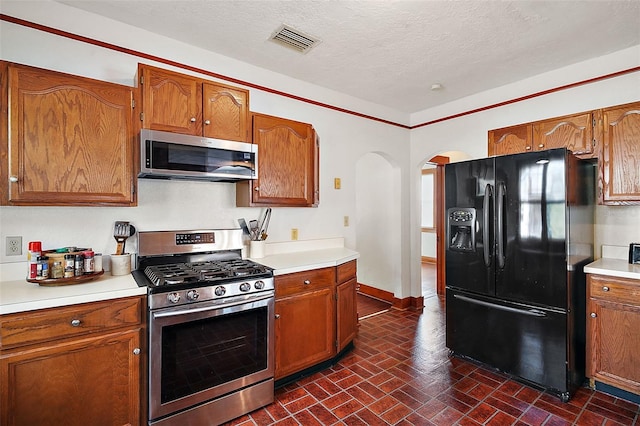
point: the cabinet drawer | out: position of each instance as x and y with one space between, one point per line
346 271
615 289
304 281
49 324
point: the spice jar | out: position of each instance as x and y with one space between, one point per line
97 262
57 270
69 265
78 266
42 267
89 266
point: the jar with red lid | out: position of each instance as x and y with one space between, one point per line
89 265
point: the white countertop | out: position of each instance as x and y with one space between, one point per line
287 263
614 268
19 295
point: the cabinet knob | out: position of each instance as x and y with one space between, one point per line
605 288
193 119
528 148
13 179
75 323
257 188
307 282
136 351
541 145
593 315
277 316
207 122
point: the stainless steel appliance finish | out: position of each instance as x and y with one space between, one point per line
166 155
520 232
211 329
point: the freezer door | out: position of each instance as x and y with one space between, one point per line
521 340
531 211
468 203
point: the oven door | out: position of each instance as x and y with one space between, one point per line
205 350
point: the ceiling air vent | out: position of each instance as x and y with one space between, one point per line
294 39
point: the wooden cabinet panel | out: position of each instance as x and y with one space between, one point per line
347 313
89 381
171 101
613 341
301 282
304 330
53 371
346 271
510 140
225 112
287 165
71 140
620 161
574 132
52 324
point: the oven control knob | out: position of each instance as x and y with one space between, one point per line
173 297
192 295
220 291
259 285
245 287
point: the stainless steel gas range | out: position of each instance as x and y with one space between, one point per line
211 328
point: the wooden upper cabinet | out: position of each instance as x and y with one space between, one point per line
620 160
225 112
71 140
287 165
574 132
510 140
171 102
175 102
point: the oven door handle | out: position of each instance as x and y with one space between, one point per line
211 307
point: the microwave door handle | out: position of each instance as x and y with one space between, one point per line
486 243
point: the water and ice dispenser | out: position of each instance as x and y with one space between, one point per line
461 228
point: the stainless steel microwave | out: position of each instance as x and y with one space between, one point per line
166 155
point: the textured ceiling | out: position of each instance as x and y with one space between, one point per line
391 52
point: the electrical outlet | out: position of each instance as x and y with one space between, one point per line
294 234
346 221
14 246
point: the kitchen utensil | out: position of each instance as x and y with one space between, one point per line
265 224
132 230
253 229
243 225
121 232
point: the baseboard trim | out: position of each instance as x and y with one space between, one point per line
413 303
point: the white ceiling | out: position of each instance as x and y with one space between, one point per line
390 52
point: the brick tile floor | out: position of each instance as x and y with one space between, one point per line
400 374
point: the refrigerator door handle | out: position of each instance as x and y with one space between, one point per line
530 312
501 194
487 244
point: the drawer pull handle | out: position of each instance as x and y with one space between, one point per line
605 288
593 315
307 282
136 351
75 323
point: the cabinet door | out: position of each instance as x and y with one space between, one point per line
573 132
620 161
287 164
347 313
71 140
304 329
225 112
613 343
90 381
170 101
510 140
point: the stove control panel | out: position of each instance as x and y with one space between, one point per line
195 238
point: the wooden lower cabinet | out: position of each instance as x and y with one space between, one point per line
316 317
78 375
613 341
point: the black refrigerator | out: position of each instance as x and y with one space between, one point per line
519 232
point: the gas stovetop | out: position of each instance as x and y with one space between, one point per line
180 267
